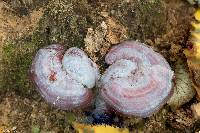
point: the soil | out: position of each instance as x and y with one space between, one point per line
26 26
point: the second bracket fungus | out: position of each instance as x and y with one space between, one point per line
64 79
138 81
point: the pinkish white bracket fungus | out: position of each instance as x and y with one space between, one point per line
139 80
64 79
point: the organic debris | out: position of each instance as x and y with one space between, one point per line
196 110
99 40
181 119
95 41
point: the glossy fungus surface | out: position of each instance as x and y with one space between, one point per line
64 78
138 81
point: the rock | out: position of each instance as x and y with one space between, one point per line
194 2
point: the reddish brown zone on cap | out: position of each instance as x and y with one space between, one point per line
52 76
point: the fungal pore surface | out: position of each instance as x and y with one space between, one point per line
64 79
138 81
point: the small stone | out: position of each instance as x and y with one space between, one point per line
194 2
14 128
104 14
196 110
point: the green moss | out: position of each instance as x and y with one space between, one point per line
17 59
144 19
64 24
35 129
71 117
153 19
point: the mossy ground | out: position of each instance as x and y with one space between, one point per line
160 24
59 24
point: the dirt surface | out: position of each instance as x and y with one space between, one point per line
94 26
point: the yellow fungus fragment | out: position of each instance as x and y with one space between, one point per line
193 52
83 128
197 14
195 35
195 25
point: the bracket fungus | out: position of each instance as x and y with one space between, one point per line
64 79
138 81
